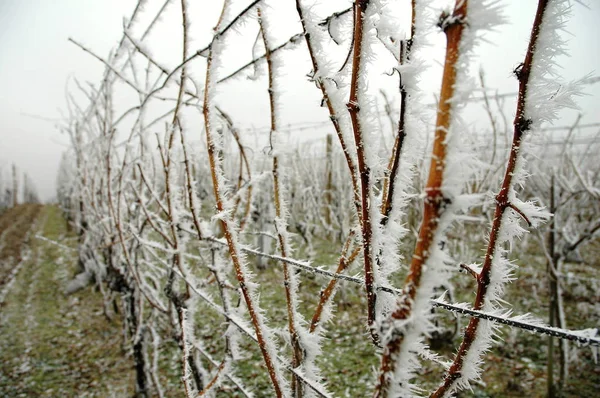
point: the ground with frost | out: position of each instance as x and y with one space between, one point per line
52 345
57 345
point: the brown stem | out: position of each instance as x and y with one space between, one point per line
394 163
329 290
521 126
279 216
453 26
150 221
108 66
179 301
360 7
470 271
243 162
202 51
215 379
147 184
333 114
519 212
221 284
189 187
167 159
226 223
150 59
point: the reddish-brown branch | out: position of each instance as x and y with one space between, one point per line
214 380
329 290
167 161
360 7
434 197
229 234
394 163
521 126
333 114
470 271
361 198
283 244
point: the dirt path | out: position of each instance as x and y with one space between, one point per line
52 345
15 226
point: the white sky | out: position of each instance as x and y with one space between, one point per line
36 60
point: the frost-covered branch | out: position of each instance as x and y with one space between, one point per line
263 334
532 109
409 321
296 328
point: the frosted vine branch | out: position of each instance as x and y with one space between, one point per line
522 123
289 279
435 203
364 168
263 335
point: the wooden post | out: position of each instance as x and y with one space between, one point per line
553 287
26 195
15 186
329 179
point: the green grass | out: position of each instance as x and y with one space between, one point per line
52 345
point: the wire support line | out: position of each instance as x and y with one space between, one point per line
516 321
576 336
246 330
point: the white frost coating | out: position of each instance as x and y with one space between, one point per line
591 333
461 162
268 335
238 383
155 357
309 343
545 96
235 317
187 340
419 323
415 115
461 165
218 46
195 205
367 112
368 125
222 269
336 84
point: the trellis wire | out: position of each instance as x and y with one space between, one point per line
305 266
250 334
534 328
219 310
550 331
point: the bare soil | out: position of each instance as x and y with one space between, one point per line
15 224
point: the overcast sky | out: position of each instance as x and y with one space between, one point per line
36 61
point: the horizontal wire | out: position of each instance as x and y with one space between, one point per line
246 330
535 328
514 321
305 266
219 310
